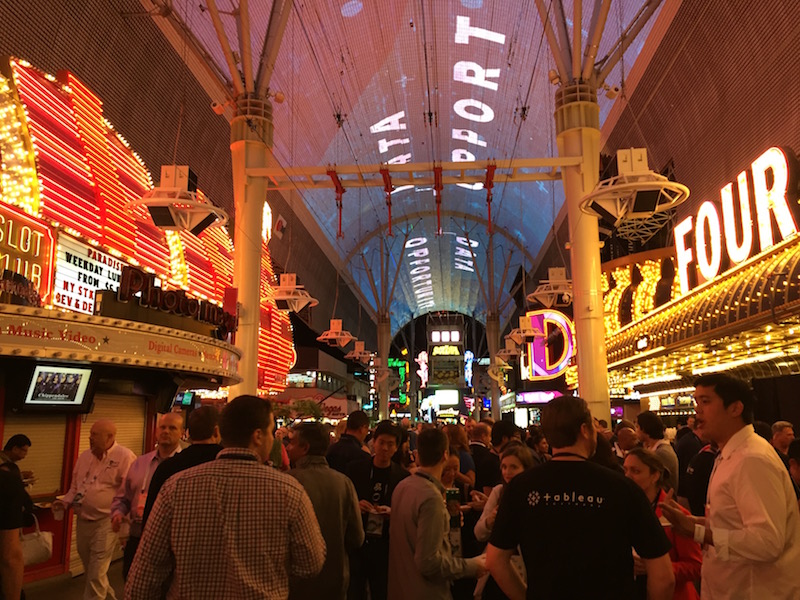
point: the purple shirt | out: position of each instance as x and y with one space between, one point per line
132 494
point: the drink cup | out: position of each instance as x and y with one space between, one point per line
58 511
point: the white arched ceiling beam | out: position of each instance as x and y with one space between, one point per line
416 216
351 176
607 64
278 18
236 80
198 60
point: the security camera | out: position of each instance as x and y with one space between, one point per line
566 297
279 97
613 91
552 74
218 108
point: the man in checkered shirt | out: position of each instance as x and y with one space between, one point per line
231 529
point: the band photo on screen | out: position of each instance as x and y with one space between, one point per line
58 385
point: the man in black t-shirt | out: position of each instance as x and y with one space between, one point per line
375 481
556 512
11 565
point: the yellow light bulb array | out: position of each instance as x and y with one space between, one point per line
18 182
178 271
644 295
622 275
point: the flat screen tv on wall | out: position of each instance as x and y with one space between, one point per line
55 387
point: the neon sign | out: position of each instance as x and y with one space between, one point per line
422 372
81 270
26 248
469 358
446 350
718 244
542 359
402 369
71 169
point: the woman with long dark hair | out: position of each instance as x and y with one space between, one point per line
644 467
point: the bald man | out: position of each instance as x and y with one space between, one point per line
98 474
130 500
626 441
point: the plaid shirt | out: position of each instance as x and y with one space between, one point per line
231 529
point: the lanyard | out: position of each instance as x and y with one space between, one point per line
93 472
237 457
573 454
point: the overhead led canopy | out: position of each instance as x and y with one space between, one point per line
386 125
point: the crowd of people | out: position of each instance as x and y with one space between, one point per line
483 509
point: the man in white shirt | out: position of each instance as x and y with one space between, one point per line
132 494
98 474
751 532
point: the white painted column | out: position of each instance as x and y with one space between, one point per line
251 139
578 134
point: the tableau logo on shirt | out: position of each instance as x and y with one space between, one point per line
565 499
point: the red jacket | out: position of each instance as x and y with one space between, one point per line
687 558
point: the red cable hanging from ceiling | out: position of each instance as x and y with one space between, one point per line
437 192
337 184
489 184
387 187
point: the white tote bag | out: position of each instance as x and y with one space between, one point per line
37 547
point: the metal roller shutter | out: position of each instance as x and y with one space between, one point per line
128 413
46 456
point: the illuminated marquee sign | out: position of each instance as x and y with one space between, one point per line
722 244
446 350
26 248
135 282
82 270
543 358
70 166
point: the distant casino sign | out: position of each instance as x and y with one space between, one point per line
26 248
82 270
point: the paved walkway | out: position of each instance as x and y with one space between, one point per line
71 588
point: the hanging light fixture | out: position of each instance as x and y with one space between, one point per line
290 297
335 336
175 205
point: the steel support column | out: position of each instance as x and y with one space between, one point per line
384 341
251 140
493 342
578 135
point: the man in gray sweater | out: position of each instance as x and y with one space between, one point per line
421 563
336 506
